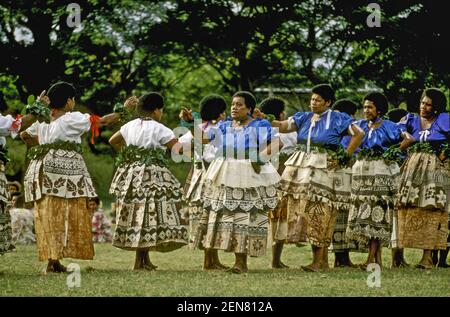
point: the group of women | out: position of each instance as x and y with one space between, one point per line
322 193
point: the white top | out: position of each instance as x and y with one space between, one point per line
148 134
289 141
208 150
69 127
7 129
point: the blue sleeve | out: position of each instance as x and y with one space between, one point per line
299 118
406 123
393 131
443 123
342 122
264 131
221 128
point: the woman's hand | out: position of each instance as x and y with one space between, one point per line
131 103
186 114
257 113
44 98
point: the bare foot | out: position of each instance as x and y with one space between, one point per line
279 265
312 268
325 266
59 268
216 266
149 267
238 270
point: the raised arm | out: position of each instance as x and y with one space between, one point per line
285 126
120 113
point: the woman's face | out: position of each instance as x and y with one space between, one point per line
318 104
92 206
14 201
239 110
370 110
426 107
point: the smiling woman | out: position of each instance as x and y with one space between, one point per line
240 187
423 205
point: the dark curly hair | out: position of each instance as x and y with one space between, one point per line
250 100
59 93
438 98
212 106
379 100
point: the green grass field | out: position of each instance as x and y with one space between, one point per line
180 274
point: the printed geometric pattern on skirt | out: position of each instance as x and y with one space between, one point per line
4 193
309 175
307 180
192 197
374 191
278 216
149 211
231 231
194 187
421 228
425 182
340 242
63 228
6 242
423 202
320 219
448 236
235 216
6 239
278 221
61 173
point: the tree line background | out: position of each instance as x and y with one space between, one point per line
188 49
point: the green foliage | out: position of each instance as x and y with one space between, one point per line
134 154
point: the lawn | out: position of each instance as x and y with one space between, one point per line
180 274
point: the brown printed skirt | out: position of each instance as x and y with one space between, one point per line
423 204
59 185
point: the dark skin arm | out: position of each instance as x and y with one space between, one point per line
407 141
117 141
29 140
355 141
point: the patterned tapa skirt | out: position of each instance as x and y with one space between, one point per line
278 216
6 243
423 204
149 212
237 201
374 191
59 184
314 195
192 197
